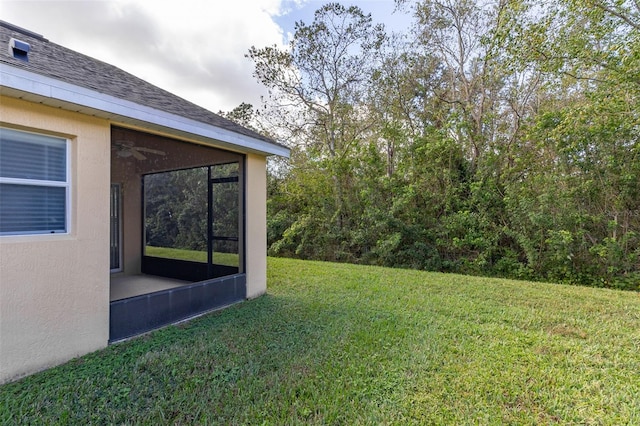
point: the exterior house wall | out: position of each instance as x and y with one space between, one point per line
256 222
54 289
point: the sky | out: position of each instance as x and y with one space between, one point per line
192 48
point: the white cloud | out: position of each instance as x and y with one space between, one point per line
193 48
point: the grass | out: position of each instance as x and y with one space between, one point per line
219 258
344 344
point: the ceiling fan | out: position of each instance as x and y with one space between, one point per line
124 150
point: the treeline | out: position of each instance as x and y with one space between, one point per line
496 138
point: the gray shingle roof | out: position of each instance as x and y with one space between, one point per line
58 62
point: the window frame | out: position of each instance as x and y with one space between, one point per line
66 184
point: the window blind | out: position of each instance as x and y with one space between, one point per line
33 183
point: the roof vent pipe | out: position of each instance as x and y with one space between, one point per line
19 49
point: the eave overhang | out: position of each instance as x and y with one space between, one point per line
32 87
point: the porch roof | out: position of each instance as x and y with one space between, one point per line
62 78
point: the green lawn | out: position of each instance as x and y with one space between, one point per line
228 259
344 344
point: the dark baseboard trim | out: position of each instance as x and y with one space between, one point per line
139 314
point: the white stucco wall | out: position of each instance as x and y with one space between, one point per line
54 289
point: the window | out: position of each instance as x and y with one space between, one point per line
34 183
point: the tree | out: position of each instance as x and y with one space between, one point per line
244 115
585 186
321 83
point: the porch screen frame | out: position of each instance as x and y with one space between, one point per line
200 271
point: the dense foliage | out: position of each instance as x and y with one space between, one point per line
495 137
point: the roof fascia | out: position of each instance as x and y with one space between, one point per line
49 91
